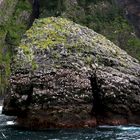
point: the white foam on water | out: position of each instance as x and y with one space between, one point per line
1 108
53 139
106 126
10 123
3 135
130 128
125 128
5 119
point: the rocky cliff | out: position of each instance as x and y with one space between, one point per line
132 12
67 75
14 20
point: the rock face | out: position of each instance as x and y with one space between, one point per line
132 12
66 75
14 20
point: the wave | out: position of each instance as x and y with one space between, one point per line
125 128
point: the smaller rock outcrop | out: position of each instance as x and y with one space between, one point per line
66 75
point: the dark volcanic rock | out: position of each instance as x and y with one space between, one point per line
66 75
118 95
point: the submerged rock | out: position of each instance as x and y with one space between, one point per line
66 75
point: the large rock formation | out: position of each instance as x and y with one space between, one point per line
66 75
104 16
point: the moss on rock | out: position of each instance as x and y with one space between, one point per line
57 42
103 16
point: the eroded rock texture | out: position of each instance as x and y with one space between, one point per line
118 97
66 75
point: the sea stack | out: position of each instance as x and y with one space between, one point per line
66 76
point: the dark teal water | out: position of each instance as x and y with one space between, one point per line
10 132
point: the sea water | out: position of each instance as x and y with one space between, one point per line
9 131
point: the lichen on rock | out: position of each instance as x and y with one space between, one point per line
64 72
57 39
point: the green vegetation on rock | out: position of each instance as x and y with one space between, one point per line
14 20
103 16
57 42
18 22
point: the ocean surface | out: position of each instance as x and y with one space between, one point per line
9 131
